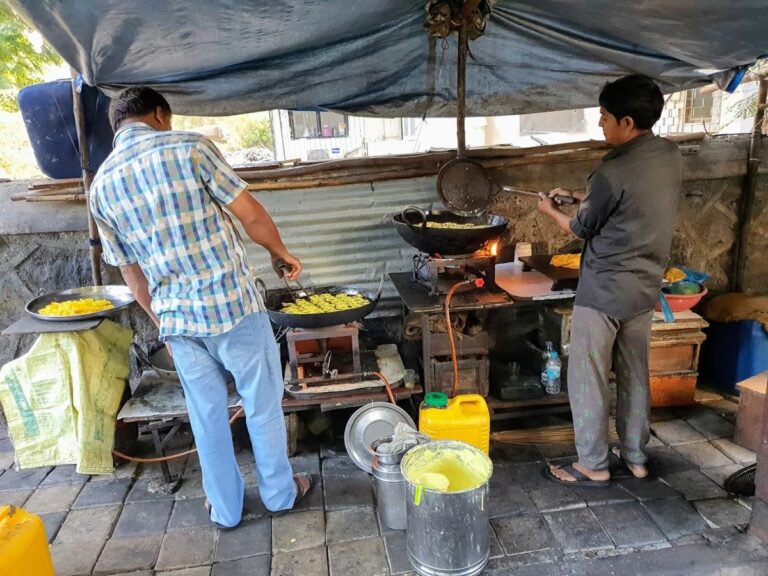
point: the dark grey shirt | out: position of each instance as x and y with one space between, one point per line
627 220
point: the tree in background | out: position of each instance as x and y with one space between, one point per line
22 62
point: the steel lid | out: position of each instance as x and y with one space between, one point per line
368 424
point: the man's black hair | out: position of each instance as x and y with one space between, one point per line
135 101
635 96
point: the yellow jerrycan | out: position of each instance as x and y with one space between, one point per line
23 544
464 418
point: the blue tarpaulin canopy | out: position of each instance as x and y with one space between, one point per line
220 57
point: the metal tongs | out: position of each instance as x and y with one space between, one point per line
559 199
283 269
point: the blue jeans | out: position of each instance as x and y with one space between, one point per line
250 353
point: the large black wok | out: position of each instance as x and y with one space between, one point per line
275 299
411 225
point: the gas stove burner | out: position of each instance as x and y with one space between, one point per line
439 273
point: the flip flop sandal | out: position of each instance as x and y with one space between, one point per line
580 479
620 464
303 483
207 505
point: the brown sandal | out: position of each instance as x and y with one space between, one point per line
303 483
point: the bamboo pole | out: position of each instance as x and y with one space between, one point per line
94 243
750 183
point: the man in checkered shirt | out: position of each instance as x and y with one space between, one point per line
163 202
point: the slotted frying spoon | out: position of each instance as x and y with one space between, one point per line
463 185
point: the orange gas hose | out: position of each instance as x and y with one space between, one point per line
381 377
479 283
235 416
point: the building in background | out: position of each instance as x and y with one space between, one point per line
312 136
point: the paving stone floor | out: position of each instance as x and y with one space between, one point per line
681 522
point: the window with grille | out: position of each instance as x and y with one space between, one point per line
698 106
317 125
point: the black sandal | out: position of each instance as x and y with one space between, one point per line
580 479
624 470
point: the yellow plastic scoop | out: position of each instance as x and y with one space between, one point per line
431 481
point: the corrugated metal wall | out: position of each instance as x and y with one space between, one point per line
344 235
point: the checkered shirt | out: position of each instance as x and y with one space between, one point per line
157 200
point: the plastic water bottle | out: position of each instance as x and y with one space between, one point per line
550 376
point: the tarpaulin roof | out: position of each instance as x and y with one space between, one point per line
218 57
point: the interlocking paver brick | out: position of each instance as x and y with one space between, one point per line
149 489
340 465
53 499
693 485
126 554
66 474
191 487
508 499
675 517
601 496
578 530
301 563
648 489
253 507
22 479
75 559
358 557
15 497
144 518
396 548
189 514
250 538
196 571
664 460
722 512
550 451
253 566
309 463
719 475
550 497
711 425
675 432
88 527
703 455
347 491
523 534
298 530
350 524
313 500
52 522
629 525
103 493
186 548
508 454
734 451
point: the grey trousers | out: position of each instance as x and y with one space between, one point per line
598 342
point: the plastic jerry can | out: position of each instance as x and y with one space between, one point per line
464 418
23 544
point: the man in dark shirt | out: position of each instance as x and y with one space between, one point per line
627 219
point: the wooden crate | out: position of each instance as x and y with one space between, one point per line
673 389
750 419
473 376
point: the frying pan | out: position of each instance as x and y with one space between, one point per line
411 225
274 300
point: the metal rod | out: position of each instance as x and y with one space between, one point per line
94 244
750 183
461 81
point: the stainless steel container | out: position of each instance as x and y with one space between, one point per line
448 532
390 486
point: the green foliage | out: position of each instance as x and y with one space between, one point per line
8 101
745 108
254 133
21 64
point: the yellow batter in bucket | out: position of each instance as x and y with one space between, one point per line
464 467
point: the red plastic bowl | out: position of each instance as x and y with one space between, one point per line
683 302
